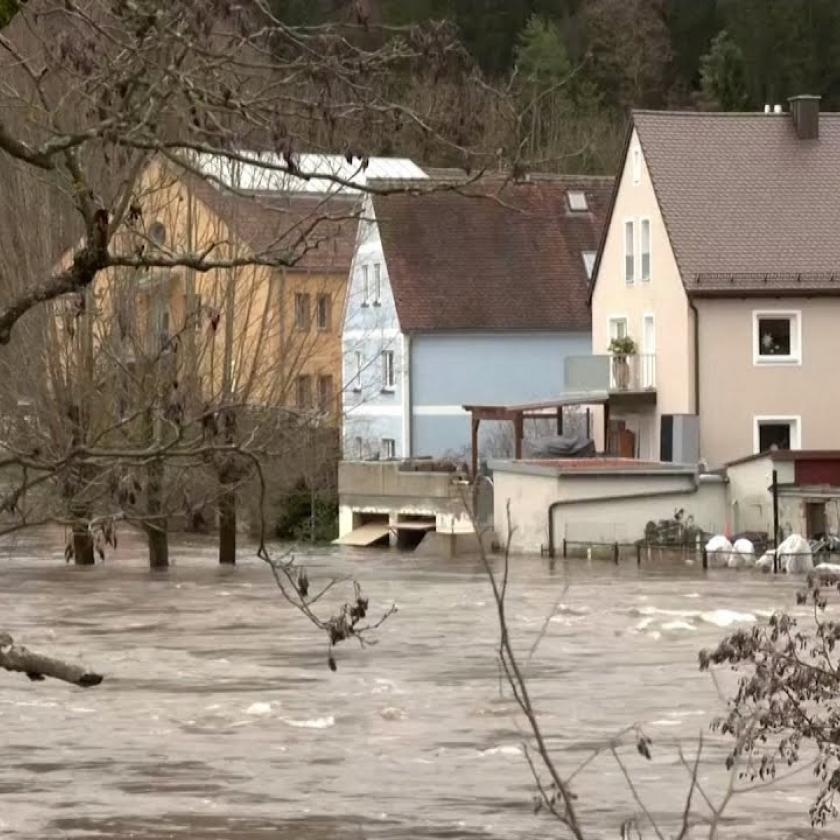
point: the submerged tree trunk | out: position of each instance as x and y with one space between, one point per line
156 528
227 525
82 545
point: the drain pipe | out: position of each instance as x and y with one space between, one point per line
696 356
611 498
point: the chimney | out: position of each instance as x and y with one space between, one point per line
805 111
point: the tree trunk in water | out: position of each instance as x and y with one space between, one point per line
82 545
227 525
156 533
158 541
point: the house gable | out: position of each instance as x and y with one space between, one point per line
661 296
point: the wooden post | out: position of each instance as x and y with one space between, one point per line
638 554
565 550
518 433
475 423
559 419
775 489
705 558
607 428
615 553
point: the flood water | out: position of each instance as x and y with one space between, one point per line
219 718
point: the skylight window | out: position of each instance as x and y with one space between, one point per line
588 262
577 201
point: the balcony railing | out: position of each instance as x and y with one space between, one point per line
606 372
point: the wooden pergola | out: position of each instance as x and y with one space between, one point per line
518 414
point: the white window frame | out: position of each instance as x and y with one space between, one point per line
647 355
377 284
795 421
389 374
629 281
795 356
636 164
365 285
389 449
645 221
614 319
357 374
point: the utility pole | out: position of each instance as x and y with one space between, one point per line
774 487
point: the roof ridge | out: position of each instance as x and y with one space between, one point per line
757 114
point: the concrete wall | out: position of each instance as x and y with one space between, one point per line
370 412
734 390
531 493
451 370
751 504
663 296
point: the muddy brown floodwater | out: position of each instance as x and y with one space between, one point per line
220 719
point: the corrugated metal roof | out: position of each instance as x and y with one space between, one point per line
266 171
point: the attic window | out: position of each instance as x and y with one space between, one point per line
589 262
577 201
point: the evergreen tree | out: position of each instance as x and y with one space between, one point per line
723 78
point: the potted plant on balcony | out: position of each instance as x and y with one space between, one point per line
620 349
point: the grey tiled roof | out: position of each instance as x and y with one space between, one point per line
747 203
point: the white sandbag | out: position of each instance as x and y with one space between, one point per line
743 554
795 555
718 551
765 562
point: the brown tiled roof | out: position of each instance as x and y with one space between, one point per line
745 199
502 257
319 232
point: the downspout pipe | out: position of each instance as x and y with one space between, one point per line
611 498
696 356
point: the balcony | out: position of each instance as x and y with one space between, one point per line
627 379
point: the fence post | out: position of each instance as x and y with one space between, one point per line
775 489
705 558
638 554
615 553
564 548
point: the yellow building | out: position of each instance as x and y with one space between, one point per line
261 327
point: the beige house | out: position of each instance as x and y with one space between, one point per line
721 260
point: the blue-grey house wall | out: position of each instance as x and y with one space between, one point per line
370 327
450 370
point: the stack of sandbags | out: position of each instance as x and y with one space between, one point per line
795 556
743 555
718 551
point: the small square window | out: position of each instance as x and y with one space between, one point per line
577 201
776 338
772 433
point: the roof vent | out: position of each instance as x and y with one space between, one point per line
805 111
777 109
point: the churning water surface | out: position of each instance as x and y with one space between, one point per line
220 719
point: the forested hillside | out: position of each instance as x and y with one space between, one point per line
576 67
607 56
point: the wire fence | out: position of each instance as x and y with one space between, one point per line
644 550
